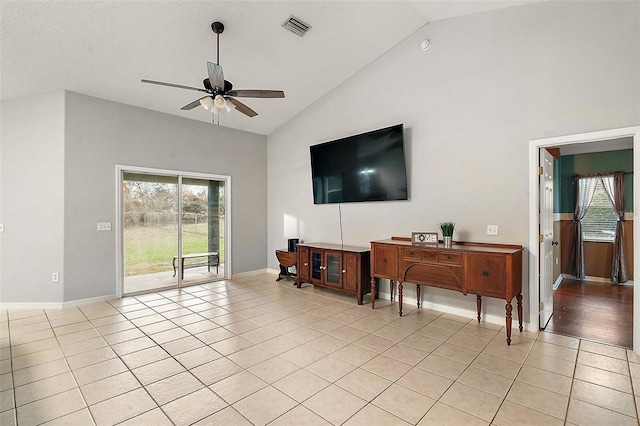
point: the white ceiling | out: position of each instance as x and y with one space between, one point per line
104 48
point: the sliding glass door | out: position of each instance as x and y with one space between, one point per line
173 229
203 229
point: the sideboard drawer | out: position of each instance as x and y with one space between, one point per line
411 254
415 253
450 258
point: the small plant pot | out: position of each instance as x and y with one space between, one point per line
447 241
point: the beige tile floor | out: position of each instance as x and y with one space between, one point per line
254 351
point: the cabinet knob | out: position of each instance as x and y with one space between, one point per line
344 271
449 257
306 263
485 273
384 260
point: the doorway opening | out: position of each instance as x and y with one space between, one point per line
173 229
537 283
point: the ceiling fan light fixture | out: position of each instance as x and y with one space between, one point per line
219 101
229 106
207 103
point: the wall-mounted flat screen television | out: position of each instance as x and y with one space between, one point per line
366 167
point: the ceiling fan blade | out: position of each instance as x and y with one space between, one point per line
179 86
257 93
242 107
216 76
192 105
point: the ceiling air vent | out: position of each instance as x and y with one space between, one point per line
296 26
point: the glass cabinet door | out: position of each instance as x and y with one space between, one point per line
316 265
333 269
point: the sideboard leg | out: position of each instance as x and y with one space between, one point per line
392 290
508 308
400 296
418 294
519 299
374 293
479 305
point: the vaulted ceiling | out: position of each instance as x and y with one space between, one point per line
104 48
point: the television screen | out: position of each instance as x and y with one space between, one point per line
366 167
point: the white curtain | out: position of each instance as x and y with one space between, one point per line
614 187
584 188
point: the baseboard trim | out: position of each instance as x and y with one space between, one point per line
471 314
596 279
55 305
252 273
558 281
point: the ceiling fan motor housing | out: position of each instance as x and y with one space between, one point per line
207 85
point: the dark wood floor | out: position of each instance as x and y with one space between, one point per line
602 312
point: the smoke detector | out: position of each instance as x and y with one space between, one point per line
296 26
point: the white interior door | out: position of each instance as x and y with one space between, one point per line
546 240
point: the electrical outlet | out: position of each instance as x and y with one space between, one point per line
104 226
492 229
1 227
55 277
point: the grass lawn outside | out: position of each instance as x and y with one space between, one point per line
149 250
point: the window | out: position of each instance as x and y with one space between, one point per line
599 223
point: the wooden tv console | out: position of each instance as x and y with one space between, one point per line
493 270
342 268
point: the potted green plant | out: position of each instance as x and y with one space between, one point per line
447 233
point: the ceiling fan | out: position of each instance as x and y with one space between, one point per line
219 92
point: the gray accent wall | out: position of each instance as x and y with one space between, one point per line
32 198
96 136
489 84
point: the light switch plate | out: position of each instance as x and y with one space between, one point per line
104 226
1 227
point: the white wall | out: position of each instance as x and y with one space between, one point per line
32 194
470 104
98 135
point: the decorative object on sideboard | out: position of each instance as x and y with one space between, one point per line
424 238
292 244
447 233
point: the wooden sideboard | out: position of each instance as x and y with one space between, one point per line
492 270
342 268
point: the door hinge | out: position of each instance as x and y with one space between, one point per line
541 306
541 238
540 171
